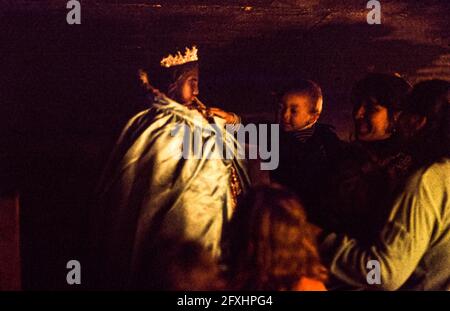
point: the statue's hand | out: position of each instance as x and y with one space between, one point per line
229 117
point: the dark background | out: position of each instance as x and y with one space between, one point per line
67 90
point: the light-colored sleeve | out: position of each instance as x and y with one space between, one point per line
401 245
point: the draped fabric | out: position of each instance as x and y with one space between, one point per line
150 191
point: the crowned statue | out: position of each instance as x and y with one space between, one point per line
148 193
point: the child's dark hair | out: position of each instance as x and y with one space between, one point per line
385 89
271 246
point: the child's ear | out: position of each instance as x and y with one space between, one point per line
314 118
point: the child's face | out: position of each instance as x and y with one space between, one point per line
294 112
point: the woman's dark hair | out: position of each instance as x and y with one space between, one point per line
430 99
271 245
383 89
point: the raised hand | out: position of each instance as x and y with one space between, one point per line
229 117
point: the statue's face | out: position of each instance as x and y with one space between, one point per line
188 89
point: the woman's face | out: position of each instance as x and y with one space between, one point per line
372 121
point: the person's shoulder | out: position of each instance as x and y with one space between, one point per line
429 187
327 134
162 110
164 107
139 117
440 166
335 147
326 129
433 180
156 118
135 123
438 171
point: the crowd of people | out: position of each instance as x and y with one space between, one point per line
165 222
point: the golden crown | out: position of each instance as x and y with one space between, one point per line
190 55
